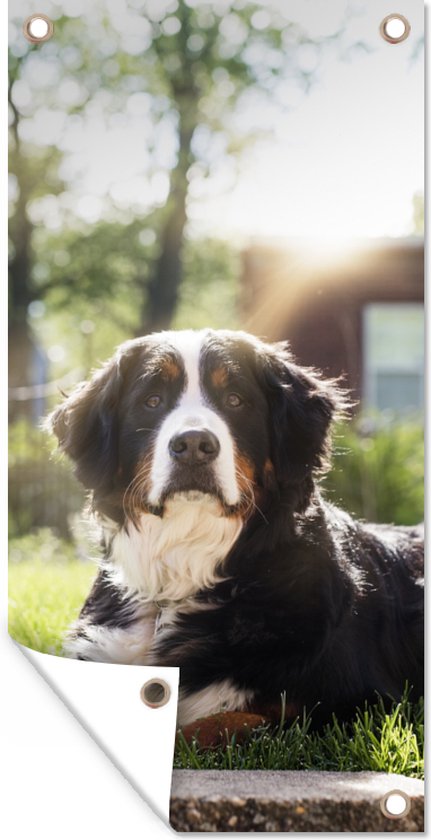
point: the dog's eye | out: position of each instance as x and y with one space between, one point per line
153 401
233 400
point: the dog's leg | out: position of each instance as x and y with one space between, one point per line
217 730
112 627
100 643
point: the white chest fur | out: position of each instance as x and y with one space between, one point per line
170 558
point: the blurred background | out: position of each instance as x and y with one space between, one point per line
180 163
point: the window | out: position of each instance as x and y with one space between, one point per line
394 356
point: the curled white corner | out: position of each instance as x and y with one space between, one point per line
106 700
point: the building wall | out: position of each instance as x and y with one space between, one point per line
319 307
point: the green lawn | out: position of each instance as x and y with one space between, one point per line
390 743
47 586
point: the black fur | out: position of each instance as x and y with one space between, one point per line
107 606
314 604
329 613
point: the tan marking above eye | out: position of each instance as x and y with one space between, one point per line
169 369
219 377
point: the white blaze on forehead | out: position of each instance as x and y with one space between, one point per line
192 410
189 345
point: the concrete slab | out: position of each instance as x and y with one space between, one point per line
265 800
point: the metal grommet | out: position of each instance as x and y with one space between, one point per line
38 28
395 804
395 28
155 693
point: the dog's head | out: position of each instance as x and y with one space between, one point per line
213 413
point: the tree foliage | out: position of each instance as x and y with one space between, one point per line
174 73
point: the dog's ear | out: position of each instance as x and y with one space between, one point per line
86 426
303 406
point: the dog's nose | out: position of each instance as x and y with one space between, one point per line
194 446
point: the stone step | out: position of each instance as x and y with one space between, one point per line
266 800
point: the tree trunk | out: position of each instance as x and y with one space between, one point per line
21 344
165 282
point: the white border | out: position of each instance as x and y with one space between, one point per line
106 700
59 784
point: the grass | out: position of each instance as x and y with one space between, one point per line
389 742
47 586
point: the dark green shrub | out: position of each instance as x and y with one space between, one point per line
378 470
43 491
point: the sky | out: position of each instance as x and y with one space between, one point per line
347 160
340 162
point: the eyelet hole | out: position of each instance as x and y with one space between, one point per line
395 28
395 804
155 693
38 28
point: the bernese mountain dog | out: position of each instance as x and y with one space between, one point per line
201 450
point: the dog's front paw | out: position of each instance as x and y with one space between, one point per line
217 730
